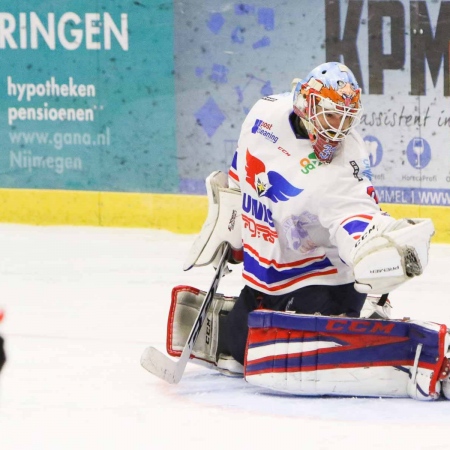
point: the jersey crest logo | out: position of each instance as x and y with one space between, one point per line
268 184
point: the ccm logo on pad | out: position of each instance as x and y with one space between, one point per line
359 326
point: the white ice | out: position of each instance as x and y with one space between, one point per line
81 304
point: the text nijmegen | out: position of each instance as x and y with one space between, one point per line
25 159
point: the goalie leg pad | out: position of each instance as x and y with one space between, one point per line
184 309
323 355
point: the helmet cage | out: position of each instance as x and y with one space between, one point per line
328 102
320 110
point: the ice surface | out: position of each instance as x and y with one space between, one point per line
81 304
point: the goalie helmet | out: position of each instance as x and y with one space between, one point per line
328 102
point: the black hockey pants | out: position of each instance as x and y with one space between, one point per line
326 300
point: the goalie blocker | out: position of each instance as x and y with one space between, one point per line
222 224
319 355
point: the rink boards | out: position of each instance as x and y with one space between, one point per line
178 213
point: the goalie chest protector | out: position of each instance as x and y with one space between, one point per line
322 355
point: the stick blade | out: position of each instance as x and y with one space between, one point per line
160 365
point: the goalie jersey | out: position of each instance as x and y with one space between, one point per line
300 217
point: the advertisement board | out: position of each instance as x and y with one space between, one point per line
87 97
229 55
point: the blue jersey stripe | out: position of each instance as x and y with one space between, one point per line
271 275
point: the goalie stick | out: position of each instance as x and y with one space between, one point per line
162 365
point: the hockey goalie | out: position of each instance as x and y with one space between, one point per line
318 255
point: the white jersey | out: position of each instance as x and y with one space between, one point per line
300 217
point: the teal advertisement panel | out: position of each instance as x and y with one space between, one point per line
87 95
228 55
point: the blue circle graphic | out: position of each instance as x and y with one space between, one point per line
418 153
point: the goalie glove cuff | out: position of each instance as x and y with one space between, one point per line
385 257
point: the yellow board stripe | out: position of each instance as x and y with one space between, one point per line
176 213
439 214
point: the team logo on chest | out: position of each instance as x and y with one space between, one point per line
268 184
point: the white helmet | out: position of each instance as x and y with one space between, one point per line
328 102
